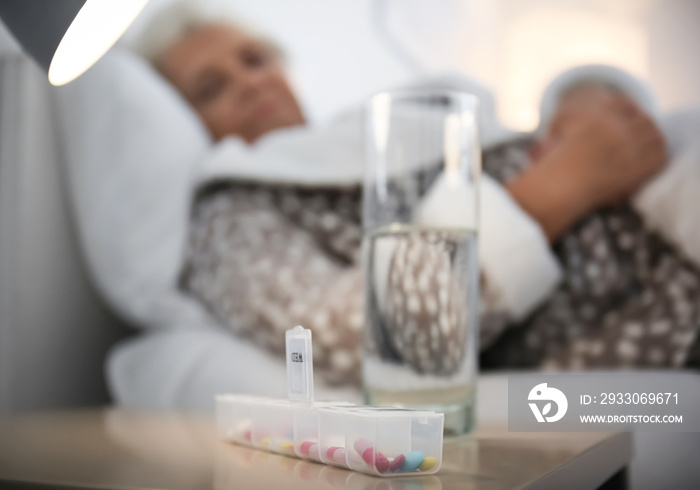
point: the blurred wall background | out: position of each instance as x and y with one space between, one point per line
54 328
517 47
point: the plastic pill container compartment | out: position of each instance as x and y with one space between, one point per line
380 441
234 417
273 424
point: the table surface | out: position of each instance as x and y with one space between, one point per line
118 448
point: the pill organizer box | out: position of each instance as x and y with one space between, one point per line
376 440
381 441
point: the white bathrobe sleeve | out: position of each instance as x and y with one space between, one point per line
518 268
517 262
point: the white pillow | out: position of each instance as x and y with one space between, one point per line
669 201
132 144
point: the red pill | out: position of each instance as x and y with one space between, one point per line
380 462
397 462
368 456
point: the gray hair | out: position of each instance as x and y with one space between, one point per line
173 22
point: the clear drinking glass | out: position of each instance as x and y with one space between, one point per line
420 253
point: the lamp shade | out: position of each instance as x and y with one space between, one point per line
66 37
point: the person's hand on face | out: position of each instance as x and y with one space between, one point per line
599 148
609 146
233 81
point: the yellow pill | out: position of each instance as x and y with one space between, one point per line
287 446
265 441
427 463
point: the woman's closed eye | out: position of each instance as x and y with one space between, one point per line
256 57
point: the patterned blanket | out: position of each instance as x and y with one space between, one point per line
263 258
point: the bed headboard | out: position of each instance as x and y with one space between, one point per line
54 329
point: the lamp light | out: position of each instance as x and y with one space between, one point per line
66 37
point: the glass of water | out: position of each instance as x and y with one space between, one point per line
420 254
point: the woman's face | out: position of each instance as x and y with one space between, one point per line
233 81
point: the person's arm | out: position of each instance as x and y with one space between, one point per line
552 196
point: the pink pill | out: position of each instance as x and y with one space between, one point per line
313 452
381 463
247 435
397 462
361 445
339 456
336 454
305 447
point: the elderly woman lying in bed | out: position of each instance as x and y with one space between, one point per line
571 274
